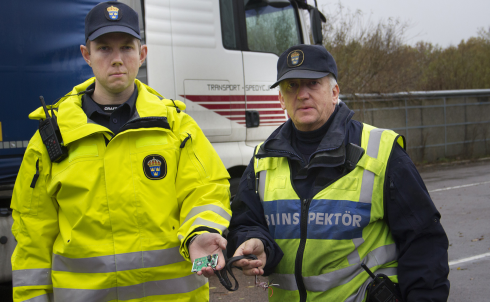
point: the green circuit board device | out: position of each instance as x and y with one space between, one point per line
208 261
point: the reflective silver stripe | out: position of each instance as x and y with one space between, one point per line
208 223
162 257
175 286
261 188
79 295
201 221
379 256
354 257
367 187
119 262
102 264
374 141
129 261
31 277
368 176
42 298
359 296
210 207
284 281
138 291
130 292
324 282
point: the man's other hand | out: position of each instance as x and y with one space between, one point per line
251 267
208 244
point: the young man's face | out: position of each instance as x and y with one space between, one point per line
309 102
115 59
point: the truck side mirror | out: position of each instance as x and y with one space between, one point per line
252 118
273 3
278 3
316 25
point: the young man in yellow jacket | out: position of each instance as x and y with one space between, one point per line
140 194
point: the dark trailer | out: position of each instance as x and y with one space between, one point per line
39 55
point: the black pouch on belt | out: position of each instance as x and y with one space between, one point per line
381 289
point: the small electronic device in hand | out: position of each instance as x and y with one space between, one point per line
51 135
381 289
208 261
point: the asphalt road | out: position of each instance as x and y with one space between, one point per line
462 195
246 291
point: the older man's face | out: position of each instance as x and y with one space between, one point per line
309 102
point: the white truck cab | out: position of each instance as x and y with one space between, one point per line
219 57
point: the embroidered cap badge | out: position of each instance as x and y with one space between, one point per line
113 12
295 58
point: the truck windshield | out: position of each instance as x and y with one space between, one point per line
271 29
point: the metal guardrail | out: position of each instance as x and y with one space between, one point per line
482 95
419 94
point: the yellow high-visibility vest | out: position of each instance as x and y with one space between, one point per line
342 228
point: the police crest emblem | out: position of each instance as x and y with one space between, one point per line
113 12
295 58
155 167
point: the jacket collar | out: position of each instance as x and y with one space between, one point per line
90 107
74 123
330 152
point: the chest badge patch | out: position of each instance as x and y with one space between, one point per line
154 167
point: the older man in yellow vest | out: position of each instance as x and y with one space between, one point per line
325 194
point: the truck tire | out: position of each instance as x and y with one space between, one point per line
7 245
6 292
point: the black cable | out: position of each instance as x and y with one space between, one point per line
223 276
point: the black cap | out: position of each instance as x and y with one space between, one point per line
305 62
109 17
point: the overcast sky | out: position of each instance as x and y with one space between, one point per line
443 22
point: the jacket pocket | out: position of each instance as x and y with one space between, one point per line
83 151
27 191
196 161
346 183
278 182
156 140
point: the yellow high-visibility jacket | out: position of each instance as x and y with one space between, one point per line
110 222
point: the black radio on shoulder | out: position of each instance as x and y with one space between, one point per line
51 136
381 289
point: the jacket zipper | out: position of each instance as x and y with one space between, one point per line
298 267
298 263
197 158
305 207
389 181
